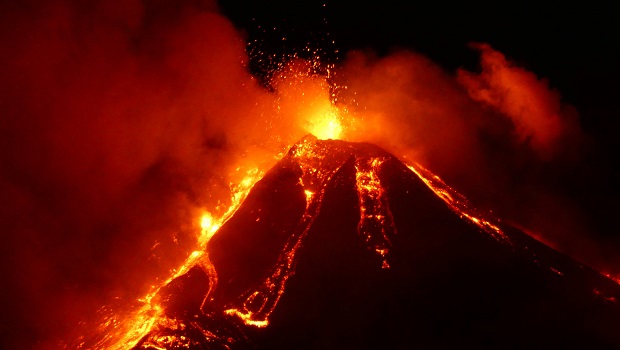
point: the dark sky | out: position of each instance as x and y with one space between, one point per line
121 120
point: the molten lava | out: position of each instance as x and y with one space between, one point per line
124 328
248 249
327 124
387 216
375 213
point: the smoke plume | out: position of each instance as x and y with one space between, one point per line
121 120
499 135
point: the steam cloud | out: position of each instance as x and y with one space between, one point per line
121 120
537 113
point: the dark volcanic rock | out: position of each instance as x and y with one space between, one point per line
373 258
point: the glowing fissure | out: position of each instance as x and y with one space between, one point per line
458 203
127 334
259 303
375 214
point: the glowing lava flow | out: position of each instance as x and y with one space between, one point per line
461 206
323 121
126 334
319 161
260 303
375 214
457 202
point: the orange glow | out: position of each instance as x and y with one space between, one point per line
119 334
308 99
325 123
241 189
208 227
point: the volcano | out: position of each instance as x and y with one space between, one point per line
344 246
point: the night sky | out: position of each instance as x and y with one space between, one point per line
121 120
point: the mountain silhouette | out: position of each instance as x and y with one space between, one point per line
344 246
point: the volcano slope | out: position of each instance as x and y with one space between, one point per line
343 246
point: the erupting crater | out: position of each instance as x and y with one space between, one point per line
343 245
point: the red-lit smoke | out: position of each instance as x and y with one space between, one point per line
537 113
121 120
500 135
